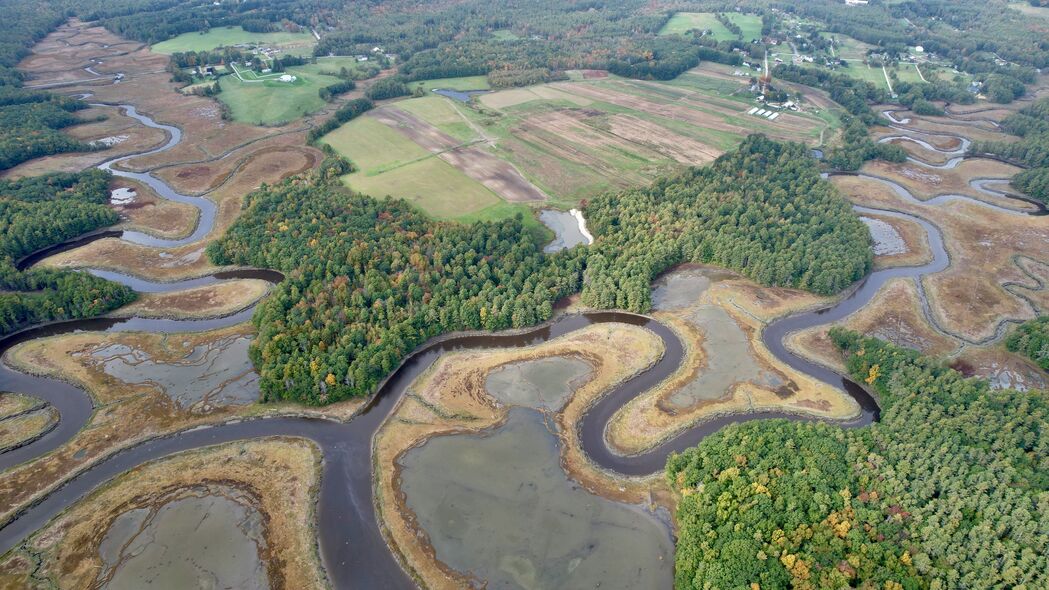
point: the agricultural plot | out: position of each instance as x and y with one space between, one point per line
683 22
559 142
228 36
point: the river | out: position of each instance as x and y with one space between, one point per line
354 552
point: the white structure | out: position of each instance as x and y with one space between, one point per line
287 78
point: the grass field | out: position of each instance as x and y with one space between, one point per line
268 101
464 83
224 37
443 114
682 22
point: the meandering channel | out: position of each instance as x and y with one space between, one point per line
353 550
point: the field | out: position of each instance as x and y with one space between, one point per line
1027 9
268 101
463 83
682 22
559 142
228 36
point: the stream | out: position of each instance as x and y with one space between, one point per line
353 550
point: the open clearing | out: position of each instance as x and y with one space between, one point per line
269 101
683 22
228 36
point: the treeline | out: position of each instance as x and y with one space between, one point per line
329 92
526 77
369 280
347 112
1031 339
30 120
41 211
974 36
947 490
1031 124
152 21
762 210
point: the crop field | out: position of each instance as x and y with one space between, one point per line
559 142
228 36
682 22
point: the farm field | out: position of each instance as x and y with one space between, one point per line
682 22
265 100
226 36
558 143
462 83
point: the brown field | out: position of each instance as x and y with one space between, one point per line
119 403
914 150
497 175
153 215
515 96
210 301
20 427
969 299
281 477
283 154
926 183
894 315
659 139
451 397
697 110
645 421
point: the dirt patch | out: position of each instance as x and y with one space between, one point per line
153 215
677 147
202 302
279 476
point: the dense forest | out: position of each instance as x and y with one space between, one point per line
1031 123
762 210
1031 338
898 504
41 211
369 280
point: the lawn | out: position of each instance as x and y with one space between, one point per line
226 36
372 146
267 101
682 22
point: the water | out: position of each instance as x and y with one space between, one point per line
460 95
565 226
498 507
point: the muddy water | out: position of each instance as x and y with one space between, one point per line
886 240
215 374
499 508
542 384
729 357
200 538
565 226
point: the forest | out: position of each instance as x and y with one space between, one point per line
1031 124
1031 339
30 120
370 280
39 212
890 506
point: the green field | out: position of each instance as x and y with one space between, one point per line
266 101
443 114
682 22
225 37
389 164
464 83
1026 8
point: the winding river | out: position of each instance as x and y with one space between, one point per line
353 550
